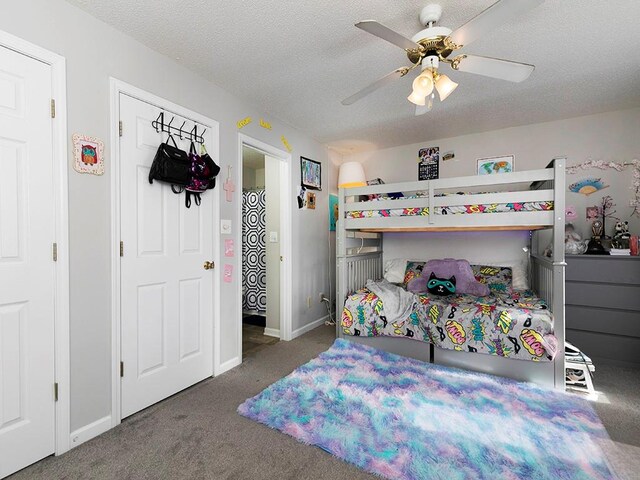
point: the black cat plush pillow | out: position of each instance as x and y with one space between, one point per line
441 286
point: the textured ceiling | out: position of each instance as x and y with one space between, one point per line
297 61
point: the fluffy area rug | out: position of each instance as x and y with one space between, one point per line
405 419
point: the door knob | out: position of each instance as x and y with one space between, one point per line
209 265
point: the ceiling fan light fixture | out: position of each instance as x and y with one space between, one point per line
423 83
422 87
445 86
417 98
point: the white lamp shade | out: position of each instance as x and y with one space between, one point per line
417 98
422 86
423 83
351 175
445 86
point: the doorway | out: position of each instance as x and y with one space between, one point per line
166 289
34 282
265 240
260 251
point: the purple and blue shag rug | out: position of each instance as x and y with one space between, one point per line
405 419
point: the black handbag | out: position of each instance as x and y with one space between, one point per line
171 165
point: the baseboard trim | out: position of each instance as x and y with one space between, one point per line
229 364
86 433
307 328
272 332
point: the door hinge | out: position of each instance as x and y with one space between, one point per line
121 369
53 108
121 248
55 391
55 252
120 128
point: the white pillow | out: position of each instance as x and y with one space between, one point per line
394 270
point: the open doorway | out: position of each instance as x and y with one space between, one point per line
261 234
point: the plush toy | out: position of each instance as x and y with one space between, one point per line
441 286
573 243
621 236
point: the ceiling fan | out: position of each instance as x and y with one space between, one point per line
433 46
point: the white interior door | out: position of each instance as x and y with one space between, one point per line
166 294
27 408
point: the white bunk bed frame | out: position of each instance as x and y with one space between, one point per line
360 254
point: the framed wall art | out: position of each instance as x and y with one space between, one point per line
311 173
88 154
493 165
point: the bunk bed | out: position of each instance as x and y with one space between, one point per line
531 201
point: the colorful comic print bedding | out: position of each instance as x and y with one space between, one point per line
450 210
513 325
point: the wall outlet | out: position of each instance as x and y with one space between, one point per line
322 296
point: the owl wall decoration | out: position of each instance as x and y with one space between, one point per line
88 154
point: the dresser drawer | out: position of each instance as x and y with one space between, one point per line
603 295
603 269
614 322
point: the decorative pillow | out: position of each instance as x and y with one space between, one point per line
441 286
413 270
519 271
433 285
394 270
465 280
498 279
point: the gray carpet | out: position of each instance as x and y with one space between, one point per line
197 434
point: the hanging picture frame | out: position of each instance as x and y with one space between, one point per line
88 154
311 173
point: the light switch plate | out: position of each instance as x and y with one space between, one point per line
225 227
273 237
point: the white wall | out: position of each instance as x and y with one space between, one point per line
609 136
94 52
272 189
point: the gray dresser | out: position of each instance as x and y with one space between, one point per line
603 306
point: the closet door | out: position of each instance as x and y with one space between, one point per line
166 294
27 409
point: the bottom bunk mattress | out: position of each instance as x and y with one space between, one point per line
513 325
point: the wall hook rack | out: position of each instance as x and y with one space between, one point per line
160 126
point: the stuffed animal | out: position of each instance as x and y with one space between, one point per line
573 243
621 236
441 286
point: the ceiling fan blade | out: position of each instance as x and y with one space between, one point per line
493 67
497 14
381 82
385 33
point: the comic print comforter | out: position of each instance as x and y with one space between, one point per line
516 324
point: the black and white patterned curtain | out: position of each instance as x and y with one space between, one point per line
254 267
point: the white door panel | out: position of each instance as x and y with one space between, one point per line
166 295
27 409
